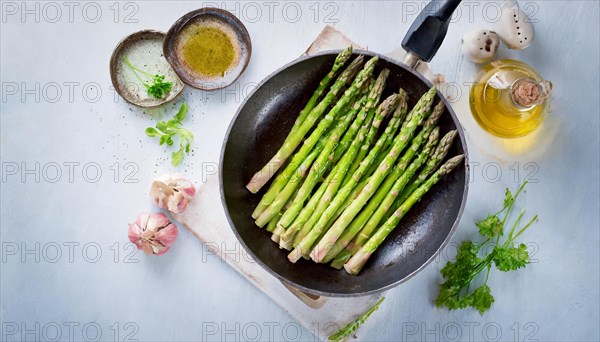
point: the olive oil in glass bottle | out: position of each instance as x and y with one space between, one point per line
509 98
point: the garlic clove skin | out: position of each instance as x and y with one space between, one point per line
514 27
156 221
480 45
135 232
172 192
153 233
167 235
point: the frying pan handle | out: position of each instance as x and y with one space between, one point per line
312 301
427 32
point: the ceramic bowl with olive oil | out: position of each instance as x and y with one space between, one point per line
208 48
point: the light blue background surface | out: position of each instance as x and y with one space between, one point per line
190 294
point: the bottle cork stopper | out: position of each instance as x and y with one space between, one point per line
527 92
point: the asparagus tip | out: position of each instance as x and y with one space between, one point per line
451 164
444 145
436 114
403 97
434 136
388 104
371 62
384 73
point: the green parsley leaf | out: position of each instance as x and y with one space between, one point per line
158 88
162 139
166 130
163 126
508 197
511 258
466 258
460 275
490 227
182 112
449 297
177 157
152 132
481 299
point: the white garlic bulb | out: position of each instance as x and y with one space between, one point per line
172 192
514 26
480 45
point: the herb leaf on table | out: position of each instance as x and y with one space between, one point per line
157 88
460 274
166 130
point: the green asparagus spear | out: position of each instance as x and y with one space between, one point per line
301 170
365 148
395 122
306 228
315 200
382 191
312 212
305 213
408 129
262 177
324 217
351 328
432 164
304 247
282 179
349 137
341 258
277 234
314 174
358 260
334 178
339 150
339 62
283 243
400 183
318 203
277 231
273 223
381 202
308 186
402 110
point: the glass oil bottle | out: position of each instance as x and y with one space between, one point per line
509 98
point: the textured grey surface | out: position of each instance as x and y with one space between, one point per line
190 294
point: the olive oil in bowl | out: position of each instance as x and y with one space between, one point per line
209 48
209 51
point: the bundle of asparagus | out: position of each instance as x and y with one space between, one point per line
348 185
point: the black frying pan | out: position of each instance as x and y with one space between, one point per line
260 127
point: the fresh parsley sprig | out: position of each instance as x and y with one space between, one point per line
158 88
507 256
166 130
